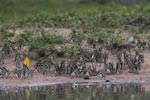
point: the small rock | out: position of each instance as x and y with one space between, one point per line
86 77
107 80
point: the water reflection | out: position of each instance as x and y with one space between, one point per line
78 92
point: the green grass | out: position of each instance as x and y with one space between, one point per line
18 9
88 17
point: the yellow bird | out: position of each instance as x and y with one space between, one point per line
26 61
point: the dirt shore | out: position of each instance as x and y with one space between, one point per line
39 79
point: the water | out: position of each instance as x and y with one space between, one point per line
85 91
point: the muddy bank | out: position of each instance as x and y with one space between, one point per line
51 79
16 83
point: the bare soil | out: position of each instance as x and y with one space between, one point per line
39 79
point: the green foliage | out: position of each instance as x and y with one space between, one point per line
91 21
73 50
99 36
105 36
52 38
44 41
24 38
118 39
36 43
5 35
138 30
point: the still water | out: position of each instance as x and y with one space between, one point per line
84 91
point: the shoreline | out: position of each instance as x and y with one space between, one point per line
73 81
